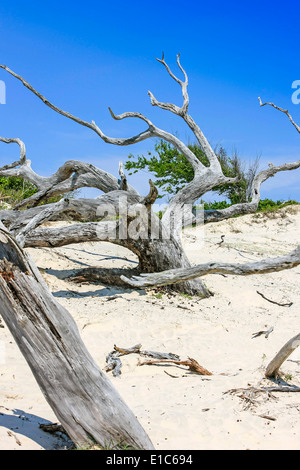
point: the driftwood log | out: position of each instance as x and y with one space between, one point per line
85 402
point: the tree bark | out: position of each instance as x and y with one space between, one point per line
83 399
154 255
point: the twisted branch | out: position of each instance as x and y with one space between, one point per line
174 276
152 130
22 152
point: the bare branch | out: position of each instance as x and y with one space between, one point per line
250 207
22 152
80 209
285 111
178 275
129 114
45 101
169 106
75 233
70 176
152 131
157 132
40 218
191 363
162 61
272 369
183 113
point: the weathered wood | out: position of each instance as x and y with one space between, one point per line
249 207
155 255
263 332
174 276
191 363
272 369
114 363
83 399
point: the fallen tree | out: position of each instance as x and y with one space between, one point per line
85 402
133 223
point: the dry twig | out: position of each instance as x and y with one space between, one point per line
191 363
263 332
288 304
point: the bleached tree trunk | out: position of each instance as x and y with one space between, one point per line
81 396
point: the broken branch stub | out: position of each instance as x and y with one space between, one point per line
272 370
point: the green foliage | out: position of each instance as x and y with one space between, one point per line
216 205
173 171
14 190
267 205
232 167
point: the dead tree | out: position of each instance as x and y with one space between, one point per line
85 402
157 243
81 396
290 260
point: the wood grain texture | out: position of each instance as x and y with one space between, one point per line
81 396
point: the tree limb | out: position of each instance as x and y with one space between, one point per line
272 369
178 275
152 130
22 152
182 112
249 207
285 111
40 218
70 176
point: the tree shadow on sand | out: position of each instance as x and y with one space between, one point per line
18 422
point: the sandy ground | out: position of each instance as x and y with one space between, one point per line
178 409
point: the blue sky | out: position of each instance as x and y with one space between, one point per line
87 57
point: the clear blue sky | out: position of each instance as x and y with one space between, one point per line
87 56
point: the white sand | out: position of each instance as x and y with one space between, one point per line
187 411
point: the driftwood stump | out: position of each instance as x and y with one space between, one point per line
272 369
